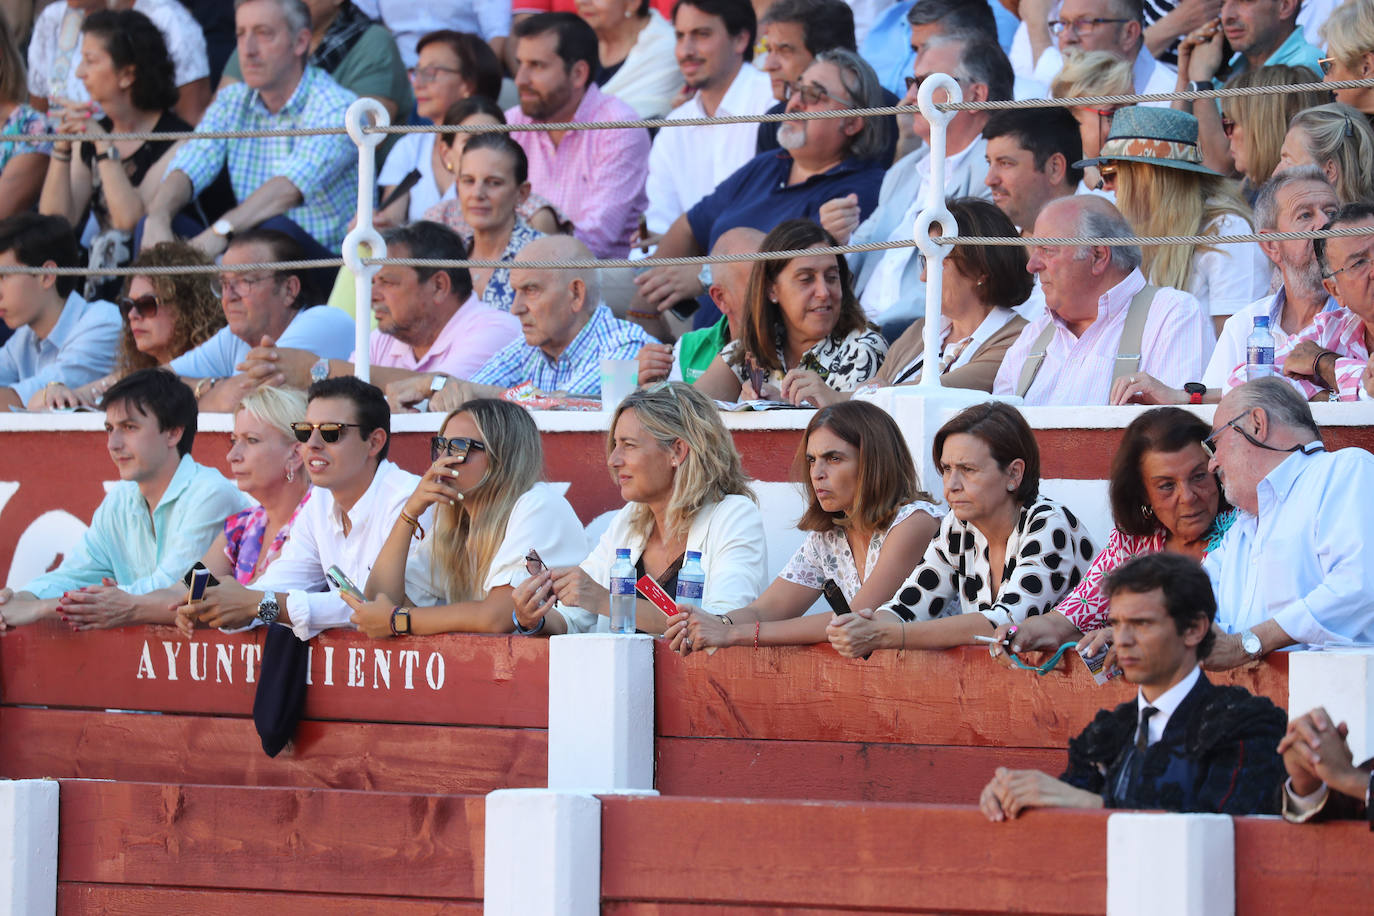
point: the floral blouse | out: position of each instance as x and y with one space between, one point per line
1047 554
498 293
25 121
826 554
1086 605
844 364
243 534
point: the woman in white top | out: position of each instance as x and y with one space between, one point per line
635 46
486 509
1003 552
684 488
868 523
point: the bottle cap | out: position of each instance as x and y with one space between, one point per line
694 555
622 552
1261 321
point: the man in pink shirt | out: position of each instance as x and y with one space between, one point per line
428 321
596 177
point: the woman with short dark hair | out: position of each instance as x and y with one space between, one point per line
1004 553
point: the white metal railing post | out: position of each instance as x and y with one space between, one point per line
363 232
935 213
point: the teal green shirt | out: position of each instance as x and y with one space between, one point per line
143 552
1295 52
696 349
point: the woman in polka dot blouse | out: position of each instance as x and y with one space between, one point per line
1003 553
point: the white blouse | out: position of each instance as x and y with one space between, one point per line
826 554
734 556
1229 277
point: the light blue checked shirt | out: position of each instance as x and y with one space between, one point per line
324 169
577 370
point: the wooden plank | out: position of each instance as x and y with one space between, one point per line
133 747
460 679
955 697
141 900
294 840
838 771
640 908
843 854
1287 868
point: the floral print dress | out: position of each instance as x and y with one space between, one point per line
826 554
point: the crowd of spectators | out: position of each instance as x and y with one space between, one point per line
479 543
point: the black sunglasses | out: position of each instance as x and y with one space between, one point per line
329 432
146 305
457 447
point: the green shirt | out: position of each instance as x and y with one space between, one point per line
696 349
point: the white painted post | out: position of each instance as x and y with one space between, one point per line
543 853
601 712
364 232
935 213
1180 864
28 847
1341 681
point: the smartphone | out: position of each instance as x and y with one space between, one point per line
660 599
834 597
190 580
340 581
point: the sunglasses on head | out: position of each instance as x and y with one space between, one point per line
329 432
457 447
146 305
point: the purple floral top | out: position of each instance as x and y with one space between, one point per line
243 534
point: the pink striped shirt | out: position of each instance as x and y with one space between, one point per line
596 177
1340 330
1175 345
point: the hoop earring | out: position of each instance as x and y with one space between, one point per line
1147 512
290 475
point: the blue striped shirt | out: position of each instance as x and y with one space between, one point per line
577 370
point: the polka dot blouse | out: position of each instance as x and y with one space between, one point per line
1047 554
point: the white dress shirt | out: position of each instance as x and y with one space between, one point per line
1230 351
734 556
1229 276
686 163
411 20
318 542
1305 561
1176 342
1165 704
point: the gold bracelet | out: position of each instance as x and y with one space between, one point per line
416 531
204 385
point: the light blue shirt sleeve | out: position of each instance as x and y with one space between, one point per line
187 528
216 358
323 330
88 562
85 355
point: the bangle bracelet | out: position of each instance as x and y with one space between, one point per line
205 385
519 628
416 531
643 316
756 633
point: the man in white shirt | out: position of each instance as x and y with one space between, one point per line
358 497
888 283
262 309
410 21
1070 354
715 42
1295 567
1295 200
1114 26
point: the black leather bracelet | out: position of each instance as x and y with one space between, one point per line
1317 368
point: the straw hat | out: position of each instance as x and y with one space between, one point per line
1156 136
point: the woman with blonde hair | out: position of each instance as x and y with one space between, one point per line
1093 73
1338 140
482 514
1255 125
1151 159
684 489
1349 36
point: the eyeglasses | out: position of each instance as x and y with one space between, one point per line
1107 171
457 447
429 74
329 432
1356 268
237 284
147 306
1228 127
534 564
811 95
1209 444
1326 63
1079 26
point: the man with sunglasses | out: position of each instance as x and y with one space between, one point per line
1295 567
58 337
358 496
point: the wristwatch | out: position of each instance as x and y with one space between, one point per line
319 370
437 383
1195 391
222 227
268 609
1251 643
705 276
111 154
1200 86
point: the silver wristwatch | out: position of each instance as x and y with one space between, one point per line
268 609
1251 643
319 370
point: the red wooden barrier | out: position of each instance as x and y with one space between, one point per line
1316 868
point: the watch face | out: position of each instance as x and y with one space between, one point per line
1250 643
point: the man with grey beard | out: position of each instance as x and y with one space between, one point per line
1294 200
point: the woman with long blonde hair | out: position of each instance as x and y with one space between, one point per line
1255 125
685 489
478 513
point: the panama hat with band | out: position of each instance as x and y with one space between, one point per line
1155 136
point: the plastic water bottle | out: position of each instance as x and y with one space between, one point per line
1259 350
691 580
622 592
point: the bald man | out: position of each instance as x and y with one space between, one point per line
729 288
567 332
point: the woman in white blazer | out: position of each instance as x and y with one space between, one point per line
684 489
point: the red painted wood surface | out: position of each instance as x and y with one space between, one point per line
294 840
482 680
98 899
220 750
957 697
838 771
1312 868
902 858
